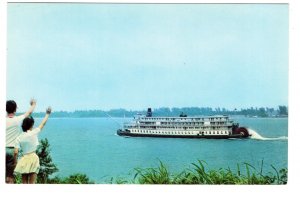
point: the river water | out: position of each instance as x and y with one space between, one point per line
91 146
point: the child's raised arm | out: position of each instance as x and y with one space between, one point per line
48 112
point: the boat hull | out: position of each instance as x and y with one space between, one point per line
129 134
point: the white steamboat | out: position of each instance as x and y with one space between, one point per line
218 127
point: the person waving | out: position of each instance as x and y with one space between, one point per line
29 164
13 123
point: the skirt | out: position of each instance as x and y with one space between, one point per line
29 163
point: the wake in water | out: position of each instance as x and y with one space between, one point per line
256 136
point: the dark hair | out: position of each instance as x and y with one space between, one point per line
27 123
11 106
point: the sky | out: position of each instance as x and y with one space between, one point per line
135 56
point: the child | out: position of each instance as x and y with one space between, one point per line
29 164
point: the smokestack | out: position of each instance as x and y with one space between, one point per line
149 113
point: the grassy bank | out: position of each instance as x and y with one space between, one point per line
198 174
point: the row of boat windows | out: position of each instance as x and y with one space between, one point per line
186 119
180 132
182 123
164 127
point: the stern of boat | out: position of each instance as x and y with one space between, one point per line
242 132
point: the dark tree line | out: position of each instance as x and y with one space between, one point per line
281 111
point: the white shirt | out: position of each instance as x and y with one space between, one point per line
28 141
13 129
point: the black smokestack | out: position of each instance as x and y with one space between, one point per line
149 113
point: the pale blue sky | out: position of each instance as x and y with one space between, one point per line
134 56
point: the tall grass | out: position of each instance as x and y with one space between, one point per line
158 175
198 174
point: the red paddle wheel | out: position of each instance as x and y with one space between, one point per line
242 131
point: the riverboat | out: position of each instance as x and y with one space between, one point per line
215 127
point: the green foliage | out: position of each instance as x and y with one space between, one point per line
199 175
283 176
18 179
72 179
118 180
283 110
77 179
160 175
47 167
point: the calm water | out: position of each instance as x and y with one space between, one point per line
90 146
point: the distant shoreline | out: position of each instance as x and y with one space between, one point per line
252 112
118 117
166 112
